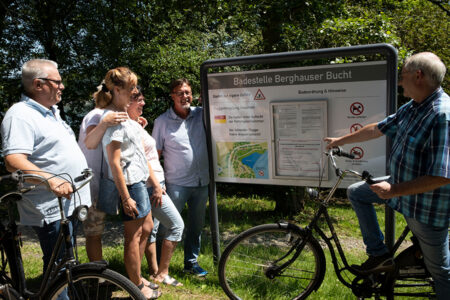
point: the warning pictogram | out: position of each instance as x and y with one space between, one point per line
357 152
355 127
259 95
356 108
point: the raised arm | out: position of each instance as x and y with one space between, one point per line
368 132
94 133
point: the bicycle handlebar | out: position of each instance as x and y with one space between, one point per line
14 176
366 176
20 178
339 152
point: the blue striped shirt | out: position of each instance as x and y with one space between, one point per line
420 146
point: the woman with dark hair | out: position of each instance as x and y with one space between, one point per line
164 212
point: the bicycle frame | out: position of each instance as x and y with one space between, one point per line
323 211
308 230
55 267
313 226
68 261
11 243
288 259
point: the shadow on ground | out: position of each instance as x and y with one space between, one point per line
112 235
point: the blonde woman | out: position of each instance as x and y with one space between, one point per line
92 130
128 167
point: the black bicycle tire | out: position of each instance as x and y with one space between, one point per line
312 245
105 275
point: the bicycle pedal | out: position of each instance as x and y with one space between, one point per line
387 265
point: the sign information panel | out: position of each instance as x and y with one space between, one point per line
267 126
298 129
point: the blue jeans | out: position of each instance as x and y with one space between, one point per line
48 235
196 198
433 240
138 192
167 215
362 199
434 245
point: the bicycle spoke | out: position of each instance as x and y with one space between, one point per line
248 270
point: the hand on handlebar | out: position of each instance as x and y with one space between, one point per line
332 142
60 187
383 189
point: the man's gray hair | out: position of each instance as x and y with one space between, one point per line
430 64
33 69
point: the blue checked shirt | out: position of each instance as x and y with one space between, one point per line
420 146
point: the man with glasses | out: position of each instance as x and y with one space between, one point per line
181 140
36 140
418 186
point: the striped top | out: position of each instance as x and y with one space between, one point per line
420 146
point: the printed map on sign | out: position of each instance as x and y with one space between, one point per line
242 159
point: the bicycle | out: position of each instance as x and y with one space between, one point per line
66 278
285 261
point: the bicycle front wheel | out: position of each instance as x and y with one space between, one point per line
247 263
94 284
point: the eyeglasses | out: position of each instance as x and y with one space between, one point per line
57 82
181 94
136 98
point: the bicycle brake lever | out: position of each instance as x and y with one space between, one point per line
368 178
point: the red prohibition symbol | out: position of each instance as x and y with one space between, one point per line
357 152
355 127
356 108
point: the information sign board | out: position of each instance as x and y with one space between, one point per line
267 126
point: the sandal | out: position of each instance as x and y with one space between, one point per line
168 280
155 293
150 284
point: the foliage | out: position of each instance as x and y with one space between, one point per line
163 40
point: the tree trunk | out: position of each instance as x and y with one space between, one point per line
289 200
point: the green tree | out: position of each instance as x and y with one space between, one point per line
162 40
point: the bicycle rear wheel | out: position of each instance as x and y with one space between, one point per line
244 267
94 284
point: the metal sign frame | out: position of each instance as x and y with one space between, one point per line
390 54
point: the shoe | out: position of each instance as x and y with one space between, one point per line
196 270
375 264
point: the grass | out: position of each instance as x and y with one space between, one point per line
235 215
